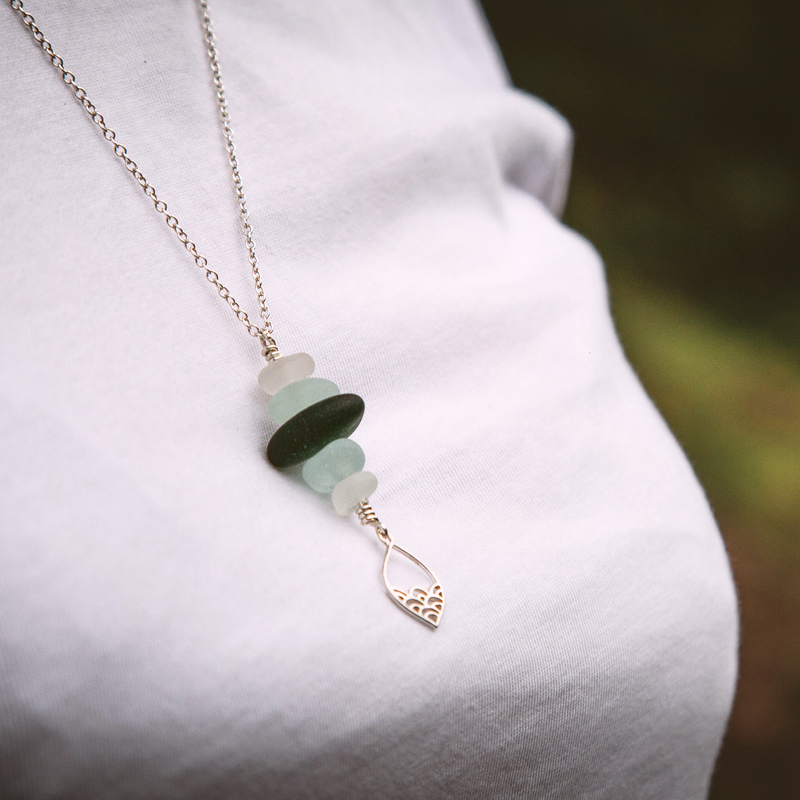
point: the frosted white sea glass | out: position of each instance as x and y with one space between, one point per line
283 371
350 491
292 399
332 464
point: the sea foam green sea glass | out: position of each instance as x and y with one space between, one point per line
292 399
334 462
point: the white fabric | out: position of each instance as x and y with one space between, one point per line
178 619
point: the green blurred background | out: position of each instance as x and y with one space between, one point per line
686 178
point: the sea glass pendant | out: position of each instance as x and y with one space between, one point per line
315 421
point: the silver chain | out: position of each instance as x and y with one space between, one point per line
263 332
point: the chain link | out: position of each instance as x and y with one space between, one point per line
262 332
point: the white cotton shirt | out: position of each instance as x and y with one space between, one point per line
180 620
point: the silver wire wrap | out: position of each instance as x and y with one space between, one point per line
269 349
263 332
367 516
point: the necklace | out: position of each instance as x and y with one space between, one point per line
315 420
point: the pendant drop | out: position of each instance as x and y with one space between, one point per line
314 422
425 605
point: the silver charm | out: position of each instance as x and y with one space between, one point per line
425 605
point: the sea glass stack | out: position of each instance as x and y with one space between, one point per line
315 420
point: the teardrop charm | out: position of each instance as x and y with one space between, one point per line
425 605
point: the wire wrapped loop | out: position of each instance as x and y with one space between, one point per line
269 349
367 516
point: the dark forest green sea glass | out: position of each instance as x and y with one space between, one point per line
306 433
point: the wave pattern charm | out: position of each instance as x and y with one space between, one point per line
425 605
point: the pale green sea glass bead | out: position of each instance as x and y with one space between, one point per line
292 399
332 464
283 371
350 491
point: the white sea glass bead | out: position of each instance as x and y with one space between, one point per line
342 457
292 399
350 491
283 371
